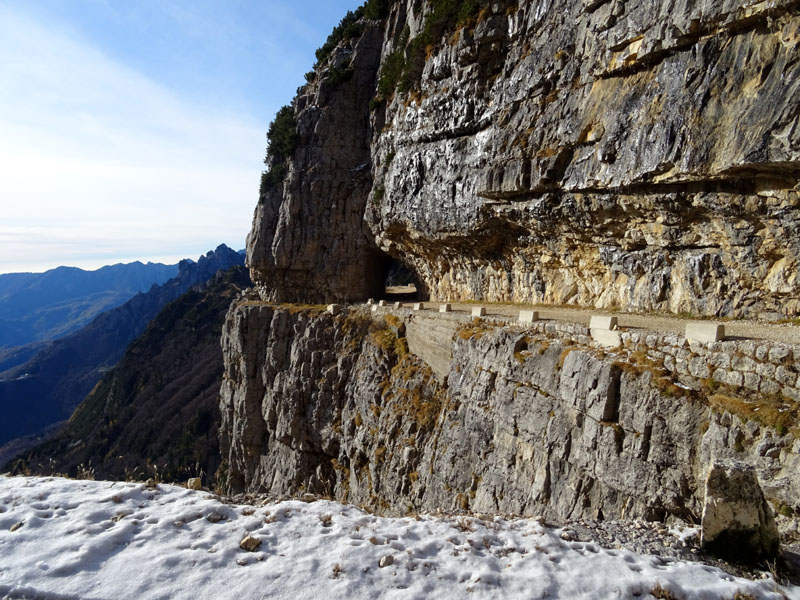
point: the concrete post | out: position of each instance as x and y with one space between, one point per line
700 331
603 322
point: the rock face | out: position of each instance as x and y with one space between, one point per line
635 155
640 155
737 521
309 240
525 424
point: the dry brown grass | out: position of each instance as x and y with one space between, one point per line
662 593
419 402
311 309
639 362
388 341
393 321
777 412
563 357
475 329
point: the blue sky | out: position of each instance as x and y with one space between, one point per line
135 130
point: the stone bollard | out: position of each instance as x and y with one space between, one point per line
604 332
737 521
398 305
603 322
528 316
334 309
444 308
419 306
374 308
370 302
478 311
381 302
699 331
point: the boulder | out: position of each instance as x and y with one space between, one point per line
738 523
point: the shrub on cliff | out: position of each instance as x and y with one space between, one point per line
281 142
348 28
281 135
376 9
402 69
393 66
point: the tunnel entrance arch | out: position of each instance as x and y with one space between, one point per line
400 282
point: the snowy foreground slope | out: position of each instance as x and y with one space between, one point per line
93 539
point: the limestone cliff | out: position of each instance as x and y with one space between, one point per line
309 238
606 153
523 423
639 155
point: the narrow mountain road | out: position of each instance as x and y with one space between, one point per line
786 333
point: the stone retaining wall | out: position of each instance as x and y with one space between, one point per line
757 365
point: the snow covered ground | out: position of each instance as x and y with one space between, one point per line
65 539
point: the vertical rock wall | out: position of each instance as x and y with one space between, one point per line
608 153
523 423
639 155
309 241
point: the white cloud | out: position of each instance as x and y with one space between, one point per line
98 160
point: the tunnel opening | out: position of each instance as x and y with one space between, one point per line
401 282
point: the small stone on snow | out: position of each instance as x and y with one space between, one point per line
250 543
386 561
569 535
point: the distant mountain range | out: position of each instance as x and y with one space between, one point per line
44 306
48 387
157 408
